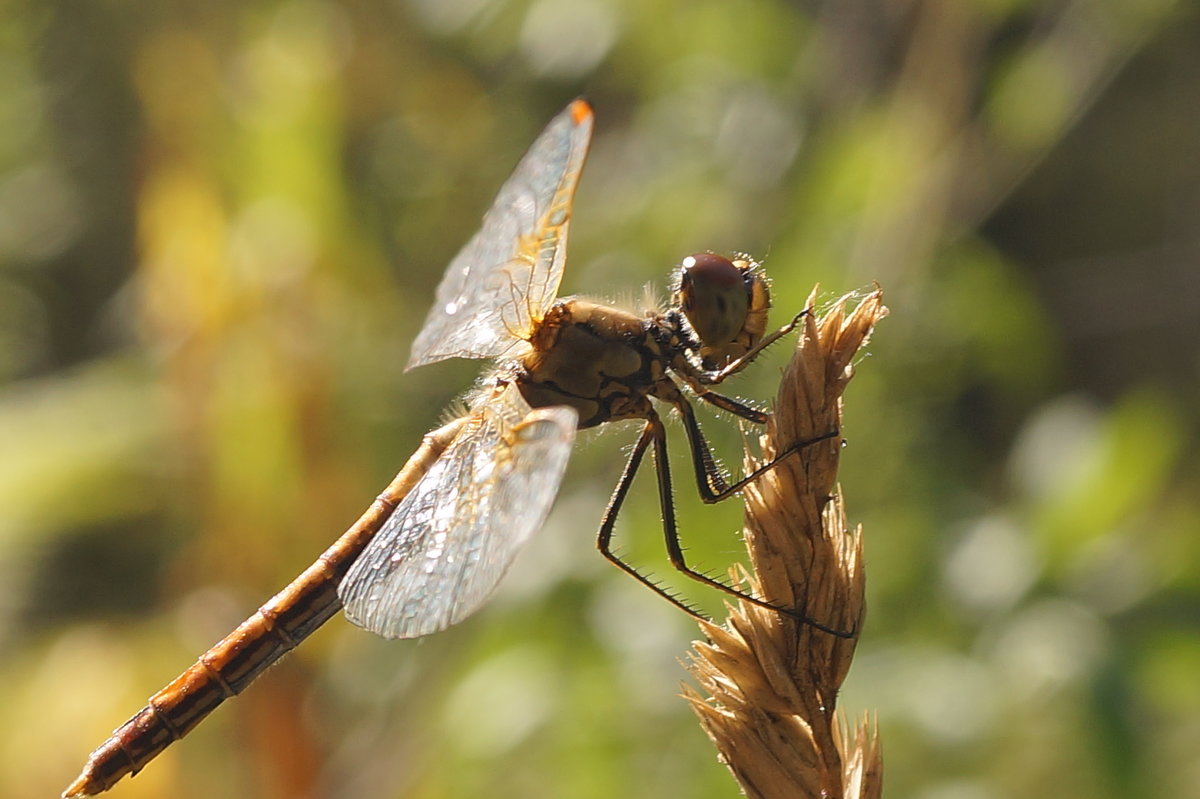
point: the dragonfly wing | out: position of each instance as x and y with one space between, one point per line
442 552
508 273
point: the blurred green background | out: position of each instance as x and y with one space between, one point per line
221 225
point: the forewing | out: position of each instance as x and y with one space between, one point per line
508 273
444 549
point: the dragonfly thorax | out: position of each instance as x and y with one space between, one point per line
605 362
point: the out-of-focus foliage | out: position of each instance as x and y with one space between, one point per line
220 226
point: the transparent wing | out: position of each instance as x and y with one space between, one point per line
449 542
508 273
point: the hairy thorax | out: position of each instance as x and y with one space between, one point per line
602 361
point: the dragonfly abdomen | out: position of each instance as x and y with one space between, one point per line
222 672
258 642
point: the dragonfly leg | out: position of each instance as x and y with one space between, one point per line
671 530
655 433
609 520
747 358
736 407
711 481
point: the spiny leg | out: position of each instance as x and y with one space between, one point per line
608 521
655 433
736 407
713 482
699 380
671 530
747 358
710 480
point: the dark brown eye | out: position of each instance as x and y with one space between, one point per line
712 269
713 294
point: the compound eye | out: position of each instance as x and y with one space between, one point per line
714 297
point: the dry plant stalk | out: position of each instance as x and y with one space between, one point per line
771 680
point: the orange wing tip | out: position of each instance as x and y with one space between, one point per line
581 111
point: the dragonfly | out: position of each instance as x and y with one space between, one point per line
433 546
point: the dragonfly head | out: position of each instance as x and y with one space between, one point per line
725 302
